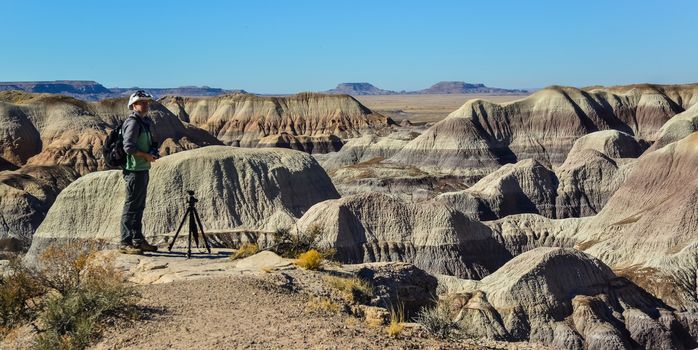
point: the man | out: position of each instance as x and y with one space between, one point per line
140 153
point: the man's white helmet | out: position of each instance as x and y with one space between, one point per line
139 95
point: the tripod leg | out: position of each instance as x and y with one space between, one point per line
191 228
178 229
201 229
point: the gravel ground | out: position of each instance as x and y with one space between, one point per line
251 313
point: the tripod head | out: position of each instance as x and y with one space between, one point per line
192 200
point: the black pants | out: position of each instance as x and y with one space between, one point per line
134 205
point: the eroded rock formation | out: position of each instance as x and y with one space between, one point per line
237 188
480 136
244 119
44 129
25 197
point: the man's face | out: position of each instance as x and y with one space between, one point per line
141 107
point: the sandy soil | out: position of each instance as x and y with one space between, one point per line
251 313
425 108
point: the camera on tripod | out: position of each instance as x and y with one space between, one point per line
195 226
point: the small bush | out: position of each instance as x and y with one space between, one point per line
290 245
397 321
353 289
18 290
61 265
310 260
245 250
323 304
437 320
87 289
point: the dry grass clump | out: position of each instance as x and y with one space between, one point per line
353 289
245 250
323 304
397 321
310 260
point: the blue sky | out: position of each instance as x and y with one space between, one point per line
290 46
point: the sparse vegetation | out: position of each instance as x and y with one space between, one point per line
437 320
323 304
397 321
290 245
67 298
353 289
310 260
18 290
245 250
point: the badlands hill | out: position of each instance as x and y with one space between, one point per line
46 129
625 280
479 137
239 190
595 168
25 197
306 118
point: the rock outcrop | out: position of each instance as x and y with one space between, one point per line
480 136
524 187
25 197
365 148
432 236
568 299
244 119
523 232
678 127
651 221
237 188
44 129
594 169
310 144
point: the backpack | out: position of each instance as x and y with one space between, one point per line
113 149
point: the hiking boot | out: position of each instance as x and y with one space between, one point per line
144 246
129 249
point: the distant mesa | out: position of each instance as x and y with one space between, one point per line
94 91
442 87
359 89
459 87
56 87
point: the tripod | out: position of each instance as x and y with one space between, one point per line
194 226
